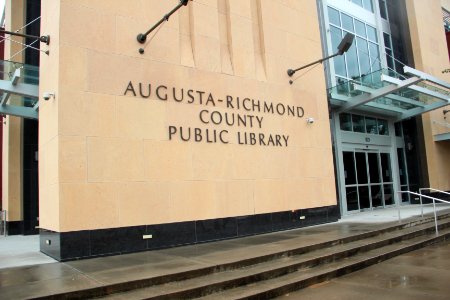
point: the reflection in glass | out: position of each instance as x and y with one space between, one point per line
371 125
401 166
377 195
333 16
358 123
360 28
345 121
388 194
386 167
374 172
383 128
349 168
383 10
352 62
347 22
364 199
352 198
361 167
363 55
372 33
368 5
339 62
374 56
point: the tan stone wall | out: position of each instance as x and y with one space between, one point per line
431 56
12 126
49 158
106 159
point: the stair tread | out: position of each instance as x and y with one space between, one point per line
295 277
282 262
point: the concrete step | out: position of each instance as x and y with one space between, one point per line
262 270
294 281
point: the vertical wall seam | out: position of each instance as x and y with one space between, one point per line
258 37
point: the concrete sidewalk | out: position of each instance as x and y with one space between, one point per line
45 278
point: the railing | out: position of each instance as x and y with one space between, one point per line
3 222
428 197
429 189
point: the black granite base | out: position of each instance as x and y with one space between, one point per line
73 245
14 227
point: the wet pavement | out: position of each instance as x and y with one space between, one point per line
421 274
48 278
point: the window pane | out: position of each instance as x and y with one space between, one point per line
333 15
374 57
347 22
374 171
389 60
352 62
346 122
363 55
383 11
372 33
386 167
388 194
371 125
339 62
368 5
349 168
358 123
383 128
364 200
377 196
361 167
358 2
401 166
387 40
360 28
352 198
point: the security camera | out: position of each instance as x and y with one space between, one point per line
48 95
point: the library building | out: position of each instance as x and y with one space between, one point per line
144 125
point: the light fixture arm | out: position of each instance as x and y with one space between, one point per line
142 37
42 39
343 47
291 72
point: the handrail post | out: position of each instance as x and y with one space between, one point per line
435 217
398 209
421 203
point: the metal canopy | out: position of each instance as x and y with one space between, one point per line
393 94
19 90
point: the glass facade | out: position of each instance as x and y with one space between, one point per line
363 124
363 57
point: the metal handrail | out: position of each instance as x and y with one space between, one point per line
434 206
429 189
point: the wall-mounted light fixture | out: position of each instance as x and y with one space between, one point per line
142 37
48 95
309 120
343 47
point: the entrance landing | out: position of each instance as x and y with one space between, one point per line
55 278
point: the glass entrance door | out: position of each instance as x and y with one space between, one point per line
368 180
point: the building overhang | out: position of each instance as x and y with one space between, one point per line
19 90
388 93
